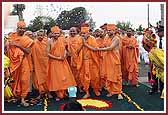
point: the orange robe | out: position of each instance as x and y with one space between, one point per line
89 66
121 52
40 61
100 44
112 67
74 44
19 66
60 76
120 44
130 59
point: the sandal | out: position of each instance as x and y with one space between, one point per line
14 100
86 96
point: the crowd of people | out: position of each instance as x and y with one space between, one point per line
53 62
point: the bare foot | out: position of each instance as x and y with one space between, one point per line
25 104
14 100
33 101
109 95
97 93
86 96
39 97
120 96
50 96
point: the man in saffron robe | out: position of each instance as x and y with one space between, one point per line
130 58
30 35
18 52
60 76
40 62
100 40
111 63
89 63
118 33
74 43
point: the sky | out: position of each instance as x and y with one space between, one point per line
101 12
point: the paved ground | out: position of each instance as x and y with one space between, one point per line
138 96
135 99
143 73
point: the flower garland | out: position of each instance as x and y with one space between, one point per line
45 102
93 103
149 41
130 101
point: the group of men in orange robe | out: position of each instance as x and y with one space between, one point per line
100 60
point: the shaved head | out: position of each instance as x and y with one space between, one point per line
29 33
72 31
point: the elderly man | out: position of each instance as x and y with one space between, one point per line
18 52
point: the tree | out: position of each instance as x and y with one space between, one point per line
124 25
140 29
41 22
74 17
18 10
91 23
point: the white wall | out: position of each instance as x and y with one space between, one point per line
11 24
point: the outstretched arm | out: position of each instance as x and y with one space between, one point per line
88 46
115 43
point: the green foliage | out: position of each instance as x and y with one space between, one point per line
140 29
18 9
41 22
74 17
65 20
92 24
124 25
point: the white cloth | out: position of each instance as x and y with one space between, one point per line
143 53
